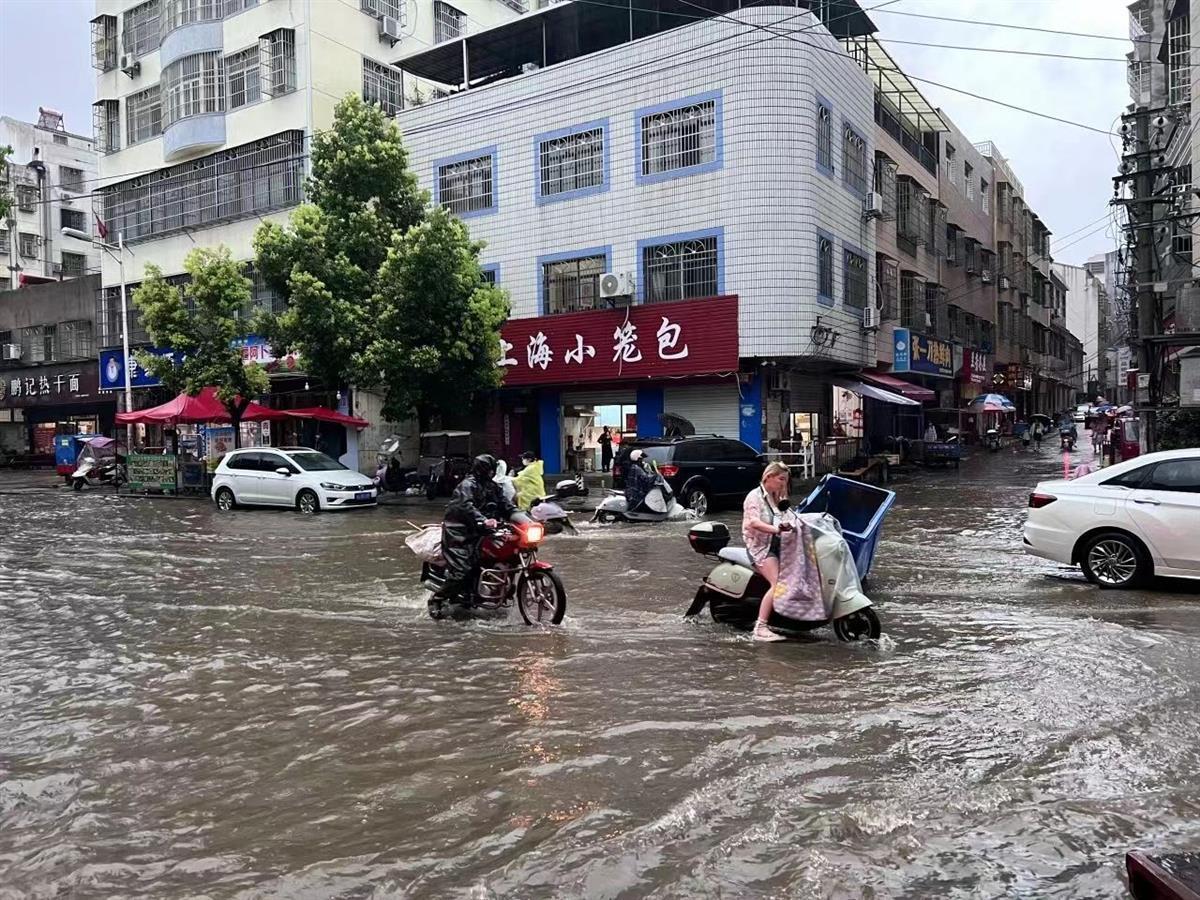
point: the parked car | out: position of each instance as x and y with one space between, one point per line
1082 413
703 470
295 477
1122 524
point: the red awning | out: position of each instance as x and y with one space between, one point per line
198 410
324 414
905 388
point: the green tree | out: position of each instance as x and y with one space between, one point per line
1178 429
5 197
201 322
438 326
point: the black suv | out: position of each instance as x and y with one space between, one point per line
703 470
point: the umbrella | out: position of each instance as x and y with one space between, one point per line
991 403
1103 407
324 414
1045 418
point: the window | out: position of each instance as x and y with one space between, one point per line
571 285
243 462
143 115
1131 479
854 160
950 162
61 139
680 138
74 265
488 275
885 184
466 186
681 270
380 8
1179 69
448 22
241 78
824 138
887 286
186 12
855 278
140 34
73 339
1181 239
37 343
4 245
232 7
574 162
985 195
70 179
969 180
912 300
277 62
1138 77
381 84
193 86
104 43
953 324
72 218
240 182
27 197
106 125
27 245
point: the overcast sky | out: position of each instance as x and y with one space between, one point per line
1066 171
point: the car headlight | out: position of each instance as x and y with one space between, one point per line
334 486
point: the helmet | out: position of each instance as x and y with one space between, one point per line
635 456
484 466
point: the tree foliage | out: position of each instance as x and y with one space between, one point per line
201 322
1178 429
6 199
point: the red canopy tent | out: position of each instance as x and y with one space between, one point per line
324 414
187 410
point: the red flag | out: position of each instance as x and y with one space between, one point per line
101 227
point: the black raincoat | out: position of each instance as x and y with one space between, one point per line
473 501
638 483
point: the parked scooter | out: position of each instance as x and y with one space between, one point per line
992 439
390 474
97 465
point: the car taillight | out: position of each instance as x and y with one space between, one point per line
616 471
1037 501
534 533
668 470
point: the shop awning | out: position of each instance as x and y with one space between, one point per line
899 386
324 414
199 410
875 393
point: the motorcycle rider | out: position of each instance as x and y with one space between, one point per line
476 507
638 480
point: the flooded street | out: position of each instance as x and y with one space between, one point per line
255 704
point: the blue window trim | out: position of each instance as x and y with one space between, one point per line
850 248
823 169
827 299
605 251
718 138
462 157
718 233
538 139
847 125
493 268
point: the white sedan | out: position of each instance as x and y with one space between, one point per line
1125 523
296 477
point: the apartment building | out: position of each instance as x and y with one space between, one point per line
676 212
49 174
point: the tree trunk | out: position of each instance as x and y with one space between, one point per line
235 413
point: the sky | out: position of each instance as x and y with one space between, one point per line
1066 171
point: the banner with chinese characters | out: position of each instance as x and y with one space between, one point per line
914 352
50 385
693 337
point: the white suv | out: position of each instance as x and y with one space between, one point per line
295 477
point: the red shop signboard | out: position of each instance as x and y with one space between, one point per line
693 337
976 367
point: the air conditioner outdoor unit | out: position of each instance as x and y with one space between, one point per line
130 66
389 30
10 351
985 275
873 205
871 317
1005 284
616 284
779 381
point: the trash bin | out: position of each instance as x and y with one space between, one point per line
859 508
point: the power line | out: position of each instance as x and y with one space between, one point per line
1116 59
1099 37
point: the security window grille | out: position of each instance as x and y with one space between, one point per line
1179 69
571 285
488 276
73 340
936 224
887 286
140 32
885 185
277 62
232 7
953 323
951 165
27 197
27 245
193 86
1181 240
1004 202
854 160
74 265
70 179
381 84
37 343
855 280
143 115
104 43
108 317
73 218
466 186
953 241
824 137
1182 179
911 209
928 317
679 138
188 12
262 296
572 163
969 181
824 266
987 337
912 301
971 260
4 245
238 183
241 77
448 22
1139 78
106 125
681 271
380 8
985 195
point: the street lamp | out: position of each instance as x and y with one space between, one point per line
117 251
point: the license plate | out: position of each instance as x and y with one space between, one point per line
363 495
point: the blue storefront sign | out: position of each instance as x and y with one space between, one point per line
912 352
113 368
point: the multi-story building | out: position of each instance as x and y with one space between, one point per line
1087 307
50 174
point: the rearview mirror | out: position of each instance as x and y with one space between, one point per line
282 470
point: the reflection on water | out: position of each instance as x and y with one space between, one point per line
256 705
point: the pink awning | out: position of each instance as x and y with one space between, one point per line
324 414
198 410
904 388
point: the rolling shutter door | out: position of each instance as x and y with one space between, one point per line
712 408
808 393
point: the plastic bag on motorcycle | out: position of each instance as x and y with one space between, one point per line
427 543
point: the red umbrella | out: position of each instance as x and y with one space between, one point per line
198 410
324 414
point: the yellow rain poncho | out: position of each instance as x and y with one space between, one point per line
530 483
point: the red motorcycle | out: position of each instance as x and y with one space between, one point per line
509 571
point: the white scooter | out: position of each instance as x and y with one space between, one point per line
658 506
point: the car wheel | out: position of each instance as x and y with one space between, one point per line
307 503
696 499
1114 560
225 500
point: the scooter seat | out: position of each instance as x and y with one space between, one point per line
739 556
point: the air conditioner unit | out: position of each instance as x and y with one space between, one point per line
10 351
779 381
616 284
871 318
985 275
389 30
873 205
1005 284
130 66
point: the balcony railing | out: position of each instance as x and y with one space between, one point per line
893 126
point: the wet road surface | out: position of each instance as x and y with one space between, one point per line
256 705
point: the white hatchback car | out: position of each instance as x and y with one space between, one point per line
1125 523
296 477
